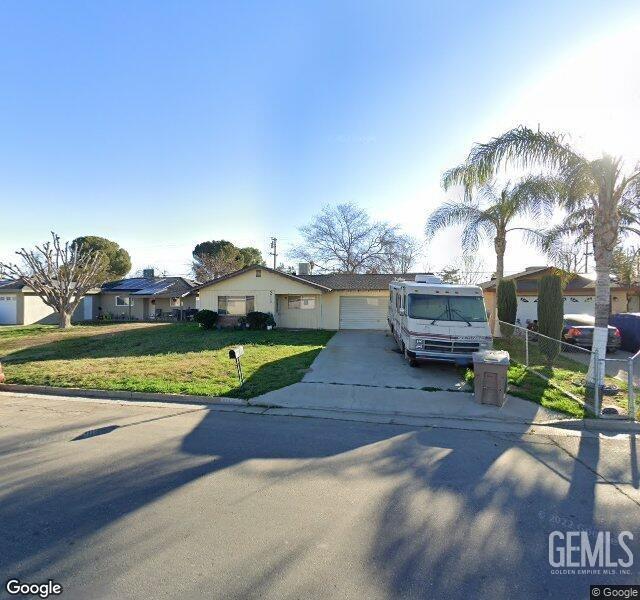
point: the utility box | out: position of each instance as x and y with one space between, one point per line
490 376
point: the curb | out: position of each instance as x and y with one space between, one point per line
118 395
591 425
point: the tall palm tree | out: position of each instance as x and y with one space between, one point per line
599 186
490 214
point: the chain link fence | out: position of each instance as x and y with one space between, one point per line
574 370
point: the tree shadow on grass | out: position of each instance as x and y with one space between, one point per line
177 338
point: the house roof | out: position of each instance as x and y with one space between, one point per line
151 286
524 283
355 281
297 278
325 282
11 284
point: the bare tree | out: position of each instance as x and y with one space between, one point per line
344 239
60 274
471 269
401 254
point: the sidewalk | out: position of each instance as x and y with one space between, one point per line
410 402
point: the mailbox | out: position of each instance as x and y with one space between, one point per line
236 352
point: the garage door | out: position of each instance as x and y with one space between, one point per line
8 309
363 312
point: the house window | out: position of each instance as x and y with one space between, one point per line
122 301
235 305
258 273
302 302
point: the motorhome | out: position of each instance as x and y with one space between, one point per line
431 320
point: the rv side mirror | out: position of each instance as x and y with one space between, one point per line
236 352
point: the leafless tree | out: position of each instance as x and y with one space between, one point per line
344 239
60 274
401 254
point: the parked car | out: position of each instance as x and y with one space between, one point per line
578 330
629 326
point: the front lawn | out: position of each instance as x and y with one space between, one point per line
176 358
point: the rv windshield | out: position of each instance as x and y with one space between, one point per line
447 308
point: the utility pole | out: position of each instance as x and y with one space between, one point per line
274 253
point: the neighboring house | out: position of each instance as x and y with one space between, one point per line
20 305
303 301
145 297
139 298
579 294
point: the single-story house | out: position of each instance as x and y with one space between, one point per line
146 297
579 294
140 298
20 305
303 301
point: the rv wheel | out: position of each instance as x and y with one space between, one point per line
412 361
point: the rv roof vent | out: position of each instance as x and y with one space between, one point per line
427 278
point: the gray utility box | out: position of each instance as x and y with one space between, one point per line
490 379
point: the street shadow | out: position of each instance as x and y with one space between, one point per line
452 513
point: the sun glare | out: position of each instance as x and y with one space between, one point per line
593 93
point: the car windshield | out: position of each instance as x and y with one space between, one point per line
447 308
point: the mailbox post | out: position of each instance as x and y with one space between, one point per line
236 353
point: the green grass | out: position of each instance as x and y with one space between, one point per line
177 358
525 384
567 372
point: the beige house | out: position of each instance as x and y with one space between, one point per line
20 305
579 294
338 301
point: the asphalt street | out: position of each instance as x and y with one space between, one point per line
131 501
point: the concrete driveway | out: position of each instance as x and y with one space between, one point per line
363 372
372 358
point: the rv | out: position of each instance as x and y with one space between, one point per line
431 320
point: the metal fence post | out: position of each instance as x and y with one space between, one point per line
631 392
596 387
526 347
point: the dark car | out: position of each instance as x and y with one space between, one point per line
578 330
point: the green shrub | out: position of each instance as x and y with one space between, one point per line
206 318
507 305
260 320
550 316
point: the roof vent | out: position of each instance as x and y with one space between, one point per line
303 268
148 273
427 278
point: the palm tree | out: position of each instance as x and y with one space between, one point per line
598 188
489 214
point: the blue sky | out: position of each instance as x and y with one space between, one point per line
163 124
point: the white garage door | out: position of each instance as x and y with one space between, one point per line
8 309
363 312
573 305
